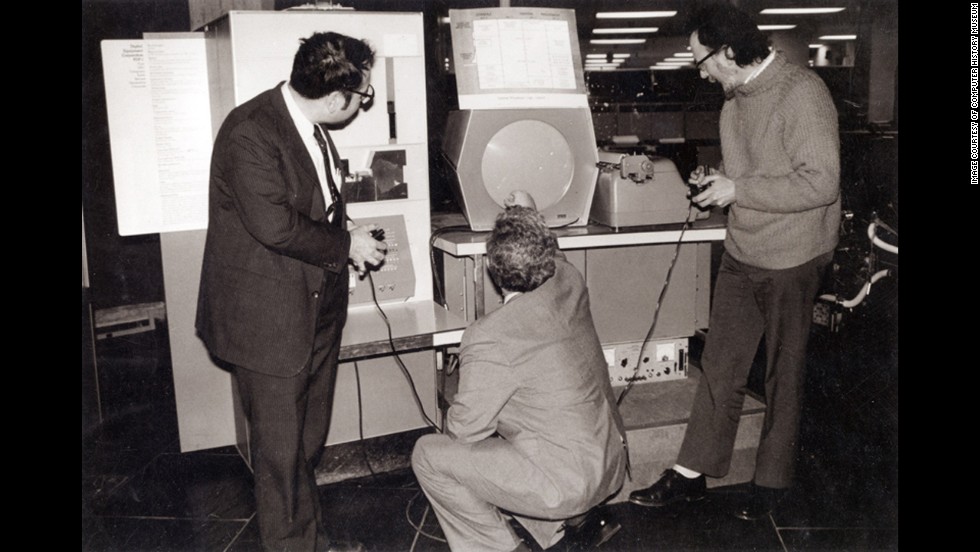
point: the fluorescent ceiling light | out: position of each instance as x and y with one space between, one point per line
799 11
684 54
635 14
604 56
617 41
838 37
674 63
815 45
664 67
680 59
601 67
626 30
776 27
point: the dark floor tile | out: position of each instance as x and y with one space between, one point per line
702 526
818 539
97 490
370 457
381 518
195 485
388 534
247 539
847 476
840 500
123 445
129 534
400 478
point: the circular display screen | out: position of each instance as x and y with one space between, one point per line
528 155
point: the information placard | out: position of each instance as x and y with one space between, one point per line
509 58
159 117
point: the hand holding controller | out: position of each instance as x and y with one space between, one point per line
378 234
696 183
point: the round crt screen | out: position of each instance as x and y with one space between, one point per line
528 155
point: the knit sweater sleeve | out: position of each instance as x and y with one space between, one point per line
808 121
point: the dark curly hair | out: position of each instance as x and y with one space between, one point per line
327 62
720 25
521 250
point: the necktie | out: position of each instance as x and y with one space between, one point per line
338 202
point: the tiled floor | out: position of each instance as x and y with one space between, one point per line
140 494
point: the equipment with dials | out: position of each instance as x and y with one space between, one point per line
661 360
395 278
639 190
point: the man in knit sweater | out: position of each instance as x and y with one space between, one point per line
780 181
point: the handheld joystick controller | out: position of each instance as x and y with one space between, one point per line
696 189
699 173
378 234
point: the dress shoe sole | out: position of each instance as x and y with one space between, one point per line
676 499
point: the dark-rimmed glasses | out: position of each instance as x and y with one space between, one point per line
705 58
366 97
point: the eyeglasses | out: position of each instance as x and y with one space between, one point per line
366 97
705 58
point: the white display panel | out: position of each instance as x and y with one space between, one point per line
517 58
160 133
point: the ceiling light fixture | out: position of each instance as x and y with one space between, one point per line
776 27
799 11
626 30
635 14
617 40
603 56
838 37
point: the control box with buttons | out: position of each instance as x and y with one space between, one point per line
395 278
661 360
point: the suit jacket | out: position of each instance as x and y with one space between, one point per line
533 371
272 260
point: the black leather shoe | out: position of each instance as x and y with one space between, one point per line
760 503
671 487
345 546
589 533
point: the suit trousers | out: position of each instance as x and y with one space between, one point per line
749 303
288 420
468 484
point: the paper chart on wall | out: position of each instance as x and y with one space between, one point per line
517 58
159 116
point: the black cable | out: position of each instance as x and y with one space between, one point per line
398 360
418 403
656 312
360 419
418 528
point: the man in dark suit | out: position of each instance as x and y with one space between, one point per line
274 284
533 429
